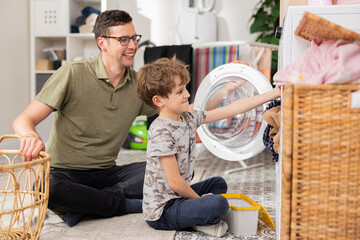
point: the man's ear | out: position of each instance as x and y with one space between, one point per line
102 44
157 100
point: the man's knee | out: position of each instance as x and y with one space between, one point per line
57 186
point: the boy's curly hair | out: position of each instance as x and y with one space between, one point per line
157 78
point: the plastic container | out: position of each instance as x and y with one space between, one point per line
242 218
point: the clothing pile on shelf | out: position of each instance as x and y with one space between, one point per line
86 22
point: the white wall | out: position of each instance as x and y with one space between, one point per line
156 20
14 61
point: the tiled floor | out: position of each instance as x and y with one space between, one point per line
257 183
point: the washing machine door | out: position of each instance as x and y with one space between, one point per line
238 137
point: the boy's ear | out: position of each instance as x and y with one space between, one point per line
157 101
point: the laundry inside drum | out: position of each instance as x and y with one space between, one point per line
237 130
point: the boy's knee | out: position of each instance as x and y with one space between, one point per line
223 204
221 183
219 206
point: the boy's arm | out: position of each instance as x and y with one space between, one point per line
241 105
175 181
227 88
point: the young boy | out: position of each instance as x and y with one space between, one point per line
170 203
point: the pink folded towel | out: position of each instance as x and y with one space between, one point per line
324 62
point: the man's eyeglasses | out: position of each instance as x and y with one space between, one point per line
125 40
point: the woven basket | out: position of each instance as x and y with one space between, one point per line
320 163
312 26
25 194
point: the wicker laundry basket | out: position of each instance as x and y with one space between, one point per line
312 26
24 194
320 163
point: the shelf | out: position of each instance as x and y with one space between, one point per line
82 35
50 36
87 1
50 23
44 72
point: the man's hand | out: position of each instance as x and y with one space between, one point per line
242 62
24 126
30 147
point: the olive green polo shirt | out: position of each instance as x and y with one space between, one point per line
92 118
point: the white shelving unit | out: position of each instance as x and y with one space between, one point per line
50 22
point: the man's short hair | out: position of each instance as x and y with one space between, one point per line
108 19
157 78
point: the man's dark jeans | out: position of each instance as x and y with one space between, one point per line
98 192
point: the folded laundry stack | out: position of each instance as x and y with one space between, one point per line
85 23
88 27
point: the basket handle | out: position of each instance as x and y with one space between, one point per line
10 136
42 154
10 151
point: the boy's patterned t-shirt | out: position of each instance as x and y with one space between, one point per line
167 137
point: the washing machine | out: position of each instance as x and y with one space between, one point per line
239 137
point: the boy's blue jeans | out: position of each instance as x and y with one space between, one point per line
182 213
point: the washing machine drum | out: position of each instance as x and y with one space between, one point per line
238 137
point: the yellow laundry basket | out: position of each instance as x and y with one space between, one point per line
24 194
242 219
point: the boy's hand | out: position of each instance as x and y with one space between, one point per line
232 86
277 91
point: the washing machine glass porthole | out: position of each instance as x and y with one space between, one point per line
238 137
239 129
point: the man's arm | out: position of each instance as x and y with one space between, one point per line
24 125
241 105
176 182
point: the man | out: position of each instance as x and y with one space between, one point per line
95 103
